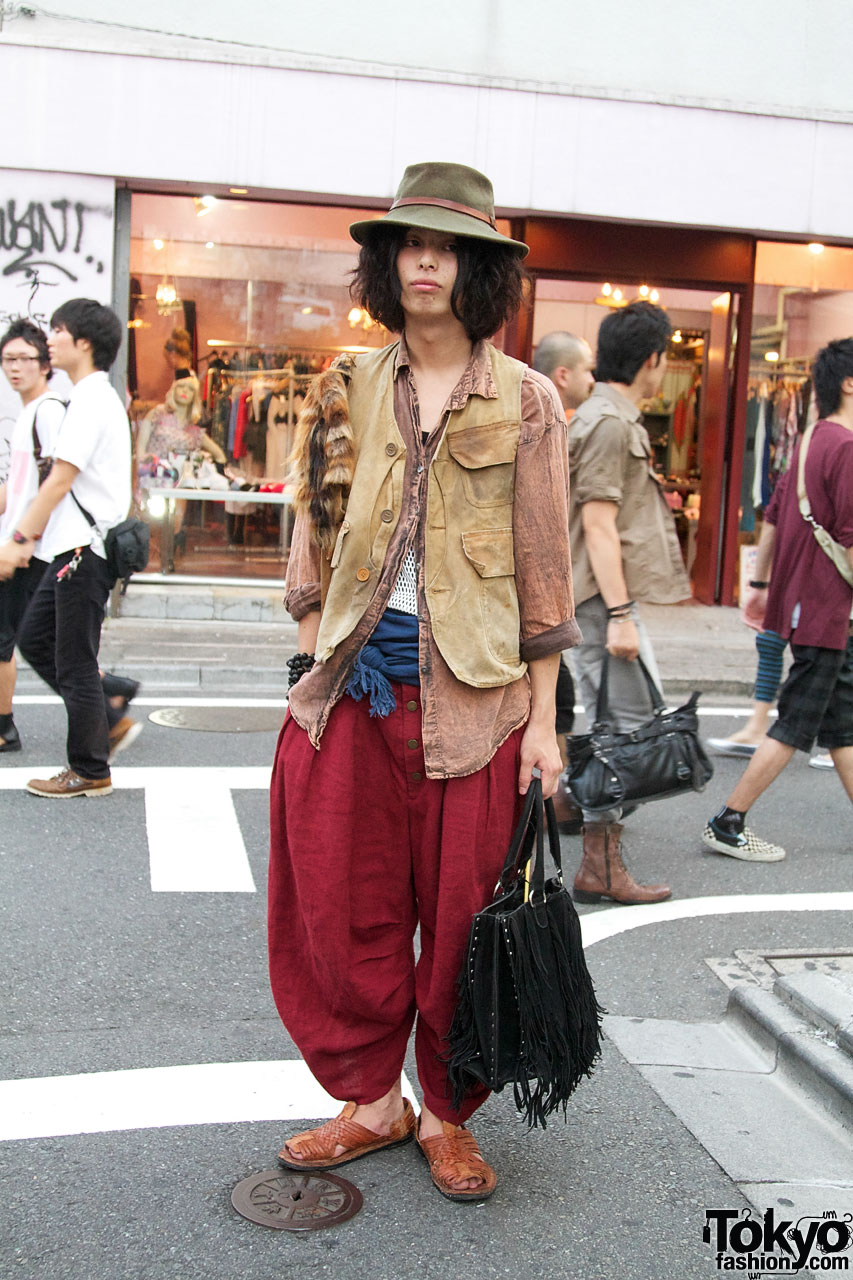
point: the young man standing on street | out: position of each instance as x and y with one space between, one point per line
26 364
61 632
802 595
430 574
624 549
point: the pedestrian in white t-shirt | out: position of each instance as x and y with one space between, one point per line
26 363
61 632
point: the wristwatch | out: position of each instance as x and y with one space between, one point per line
758 586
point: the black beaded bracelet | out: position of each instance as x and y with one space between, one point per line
621 610
297 667
758 586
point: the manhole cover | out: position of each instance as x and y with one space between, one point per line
296 1201
220 719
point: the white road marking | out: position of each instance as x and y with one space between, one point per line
237 777
165 700
195 844
598 926
154 1097
246 1092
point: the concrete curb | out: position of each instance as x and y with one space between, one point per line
818 1063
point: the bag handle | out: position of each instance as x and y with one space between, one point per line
528 842
602 704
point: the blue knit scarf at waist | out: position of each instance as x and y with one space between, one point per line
391 653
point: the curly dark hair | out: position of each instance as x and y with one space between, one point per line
488 290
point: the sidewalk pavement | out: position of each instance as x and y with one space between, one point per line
185 636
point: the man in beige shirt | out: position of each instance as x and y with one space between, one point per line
624 549
568 361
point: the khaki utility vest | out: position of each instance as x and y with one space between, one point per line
468 556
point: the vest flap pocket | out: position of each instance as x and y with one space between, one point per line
485 445
339 544
490 552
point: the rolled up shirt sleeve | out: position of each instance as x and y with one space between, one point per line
543 570
602 453
302 580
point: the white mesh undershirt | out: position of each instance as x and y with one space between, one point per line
404 597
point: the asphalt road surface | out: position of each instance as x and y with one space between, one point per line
144 1071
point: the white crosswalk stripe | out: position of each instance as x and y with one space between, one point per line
157 1097
195 844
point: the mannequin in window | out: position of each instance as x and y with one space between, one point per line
173 428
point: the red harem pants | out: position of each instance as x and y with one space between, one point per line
364 848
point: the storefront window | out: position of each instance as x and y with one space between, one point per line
234 305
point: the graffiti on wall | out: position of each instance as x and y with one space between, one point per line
56 238
56 243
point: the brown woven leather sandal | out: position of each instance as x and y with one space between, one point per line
319 1144
454 1156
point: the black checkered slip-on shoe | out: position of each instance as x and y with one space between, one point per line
747 846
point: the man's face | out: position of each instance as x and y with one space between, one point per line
22 366
427 267
65 352
577 381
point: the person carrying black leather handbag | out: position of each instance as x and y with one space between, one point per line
527 1013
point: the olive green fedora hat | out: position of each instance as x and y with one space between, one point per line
450 198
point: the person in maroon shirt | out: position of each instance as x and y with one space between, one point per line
809 601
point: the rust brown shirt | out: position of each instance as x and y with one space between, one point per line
463 726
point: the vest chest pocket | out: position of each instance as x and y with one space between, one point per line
486 457
490 551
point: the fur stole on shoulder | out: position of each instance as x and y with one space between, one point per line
323 458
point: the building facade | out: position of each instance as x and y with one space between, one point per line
218 153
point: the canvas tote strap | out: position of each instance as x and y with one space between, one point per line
837 554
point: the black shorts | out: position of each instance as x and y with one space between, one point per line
817 699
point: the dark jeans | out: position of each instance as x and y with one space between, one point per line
60 637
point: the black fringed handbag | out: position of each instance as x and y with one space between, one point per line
662 757
527 1013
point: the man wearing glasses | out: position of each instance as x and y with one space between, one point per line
26 364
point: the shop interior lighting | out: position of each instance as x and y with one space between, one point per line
203 205
678 336
359 318
239 191
210 245
771 356
644 290
306 311
156 507
654 296
158 244
816 248
607 289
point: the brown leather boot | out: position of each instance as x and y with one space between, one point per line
602 873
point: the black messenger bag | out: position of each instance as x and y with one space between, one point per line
660 758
